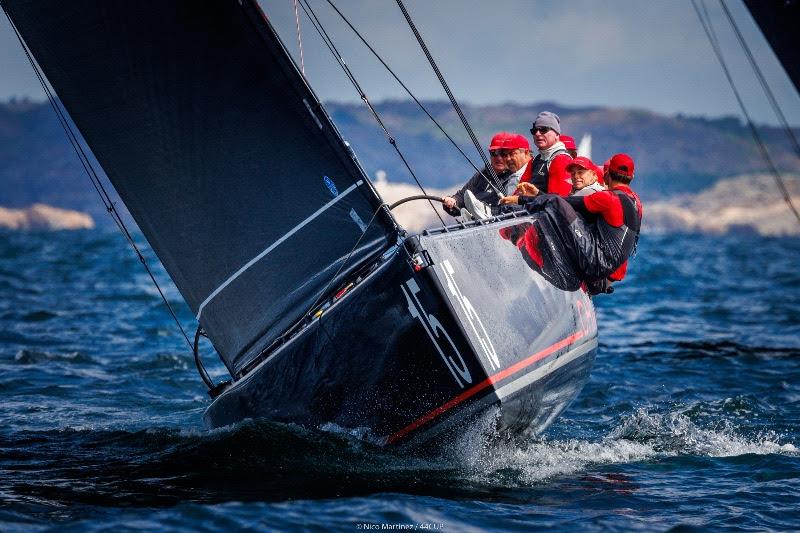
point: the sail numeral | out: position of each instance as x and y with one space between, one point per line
474 320
435 330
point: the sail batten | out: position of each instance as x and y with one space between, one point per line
209 134
274 245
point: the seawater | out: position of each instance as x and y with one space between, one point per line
691 419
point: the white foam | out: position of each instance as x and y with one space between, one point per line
641 436
675 433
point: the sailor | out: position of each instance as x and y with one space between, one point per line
569 144
549 172
585 177
517 157
479 184
599 231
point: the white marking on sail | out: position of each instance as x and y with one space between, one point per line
275 244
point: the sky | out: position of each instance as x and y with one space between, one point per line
648 54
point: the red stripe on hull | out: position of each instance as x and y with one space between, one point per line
475 389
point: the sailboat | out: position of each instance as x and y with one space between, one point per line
323 309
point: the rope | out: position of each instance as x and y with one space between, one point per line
452 98
299 40
198 363
94 178
709 31
332 47
494 185
410 198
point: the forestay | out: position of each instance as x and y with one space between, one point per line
218 148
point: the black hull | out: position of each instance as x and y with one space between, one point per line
411 352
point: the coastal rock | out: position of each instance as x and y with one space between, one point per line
744 203
44 217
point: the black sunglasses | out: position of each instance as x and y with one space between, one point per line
501 153
541 129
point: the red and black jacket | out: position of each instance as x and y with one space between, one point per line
618 215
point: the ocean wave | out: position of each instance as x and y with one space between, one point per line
725 348
675 433
33 357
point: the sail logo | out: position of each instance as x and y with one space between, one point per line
331 186
473 319
438 335
357 219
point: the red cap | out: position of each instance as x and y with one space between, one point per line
581 162
569 142
621 164
600 172
498 141
515 140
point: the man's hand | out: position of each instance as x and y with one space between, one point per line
526 189
449 202
505 200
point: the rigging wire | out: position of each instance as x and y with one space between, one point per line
94 178
299 39
712 38
489 180
332 48
452 98
762 80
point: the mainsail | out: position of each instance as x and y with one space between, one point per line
220 151
778 22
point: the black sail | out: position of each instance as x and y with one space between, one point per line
778 20
218 148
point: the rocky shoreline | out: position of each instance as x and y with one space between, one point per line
42 217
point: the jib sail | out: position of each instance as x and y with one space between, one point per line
219 150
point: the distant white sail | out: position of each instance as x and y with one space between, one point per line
585 146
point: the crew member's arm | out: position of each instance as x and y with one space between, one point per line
605 204
524 190
454 203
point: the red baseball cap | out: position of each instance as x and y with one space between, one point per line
621 164
498 141
515 140
569 142
581 162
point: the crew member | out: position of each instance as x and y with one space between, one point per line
480 184
585 177
549 172
599 231
569 144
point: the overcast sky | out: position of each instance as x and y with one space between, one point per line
648 54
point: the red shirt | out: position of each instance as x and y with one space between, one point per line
608 205
559 180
